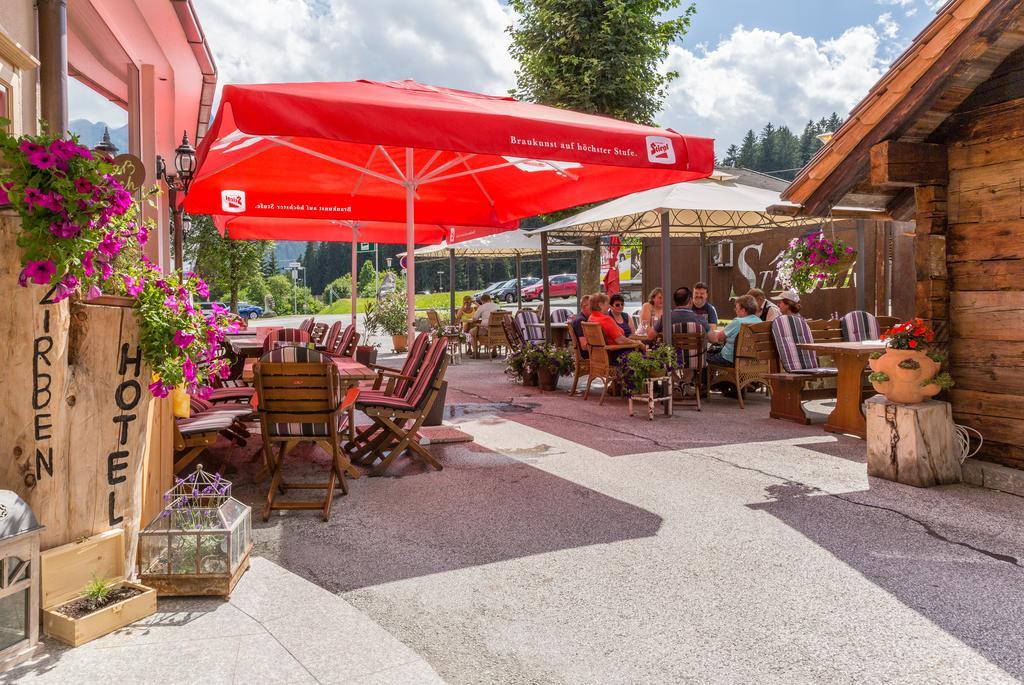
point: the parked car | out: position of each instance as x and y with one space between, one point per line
490 289
507 292
249 311
562 285
208 306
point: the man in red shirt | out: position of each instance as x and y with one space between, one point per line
612 331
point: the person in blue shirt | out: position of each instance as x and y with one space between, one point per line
701 305
746 312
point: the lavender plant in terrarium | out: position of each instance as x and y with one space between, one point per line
202 532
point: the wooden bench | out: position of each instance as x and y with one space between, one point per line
791 390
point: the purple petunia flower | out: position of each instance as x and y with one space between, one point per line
38 271
158 389
183 339
65 229
188 368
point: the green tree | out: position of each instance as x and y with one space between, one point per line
748 151
598 56
341 287
731 155
268 265
367 280
809 143
227 265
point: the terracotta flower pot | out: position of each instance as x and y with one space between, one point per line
400 342
547 378
907 370
530 379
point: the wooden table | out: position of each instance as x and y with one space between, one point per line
850 359
560 334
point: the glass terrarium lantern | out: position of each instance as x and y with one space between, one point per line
19 580
200 542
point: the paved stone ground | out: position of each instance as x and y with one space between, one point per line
571 543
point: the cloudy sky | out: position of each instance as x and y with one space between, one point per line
744 62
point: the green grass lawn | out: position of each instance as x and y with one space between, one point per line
438 301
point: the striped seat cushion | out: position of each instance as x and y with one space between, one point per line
298 430
788 332
232 394
692 357
420 386
858 326
560 315
286 335
204 423
529 326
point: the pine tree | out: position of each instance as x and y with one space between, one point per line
731 155
809 143
767 148
268 265
833 123
748 151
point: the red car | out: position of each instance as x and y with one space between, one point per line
563 285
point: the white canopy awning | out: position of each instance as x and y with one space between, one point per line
722 205
507 244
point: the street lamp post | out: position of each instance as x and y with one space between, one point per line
178 182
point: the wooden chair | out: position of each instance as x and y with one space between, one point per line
318 334
332 337
754 360
514 336
345 344
397 417
434 319
799 373
301 401
690 342
581 360
285 335
307 325
600 359
494 339
531 330
193 435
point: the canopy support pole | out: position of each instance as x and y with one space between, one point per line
666 275
451 286
859 271
703 258
355 276
410 246
545 286
519 281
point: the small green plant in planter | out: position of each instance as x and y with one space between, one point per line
387 316
550 362
97 590
637 367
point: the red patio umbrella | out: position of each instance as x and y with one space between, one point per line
404 151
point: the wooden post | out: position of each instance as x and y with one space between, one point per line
932 293
912 443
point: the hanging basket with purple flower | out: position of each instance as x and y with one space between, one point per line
75 215
810 260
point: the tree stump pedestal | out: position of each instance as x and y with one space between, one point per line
912 443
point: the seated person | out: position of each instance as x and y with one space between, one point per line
465 312
746 312
652 310
766 309
619 315
612 333
681 313
575 323
481 316
701 305
789 303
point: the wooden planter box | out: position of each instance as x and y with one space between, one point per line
66 570
196 585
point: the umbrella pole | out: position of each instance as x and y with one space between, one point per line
545 285
354 295
410 247
703 271
451 285
666 275
519 280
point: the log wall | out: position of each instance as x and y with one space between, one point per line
985 261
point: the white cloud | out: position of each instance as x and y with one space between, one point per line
457 43
888 26
755 76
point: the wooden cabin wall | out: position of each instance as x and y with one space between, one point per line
985 261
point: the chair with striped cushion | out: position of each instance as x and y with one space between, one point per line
398 416
858 326
288 336
301 400
530 327
788 332
560 315
398 380
690 342
318 334
307 325
331 339
344 343
516 342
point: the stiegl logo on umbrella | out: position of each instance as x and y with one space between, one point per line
232 201
659 150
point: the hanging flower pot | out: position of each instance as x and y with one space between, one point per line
181 403
908 371
810 260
